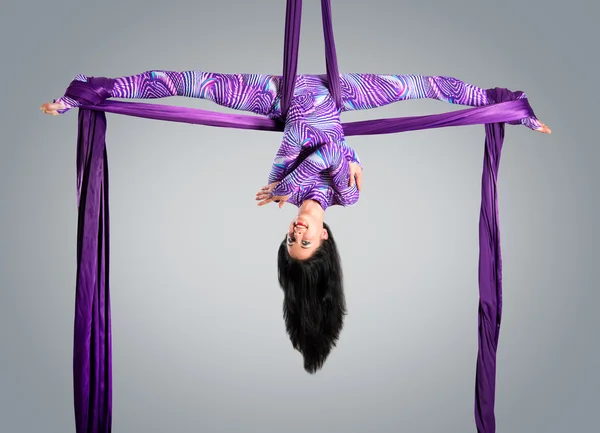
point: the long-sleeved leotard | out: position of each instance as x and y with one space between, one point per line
313 120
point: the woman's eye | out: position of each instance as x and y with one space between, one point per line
290 240
305 243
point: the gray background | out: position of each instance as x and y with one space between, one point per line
199 342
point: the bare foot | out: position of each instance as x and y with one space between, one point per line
52 108
544 129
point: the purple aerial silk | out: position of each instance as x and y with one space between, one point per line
293 18
331 63
92 320
490 272
92 368
92 337
291 42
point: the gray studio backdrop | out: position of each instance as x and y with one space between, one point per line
199 342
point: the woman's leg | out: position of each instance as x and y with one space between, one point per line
256 93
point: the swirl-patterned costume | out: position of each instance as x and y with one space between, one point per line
312 161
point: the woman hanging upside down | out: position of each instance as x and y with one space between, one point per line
313 170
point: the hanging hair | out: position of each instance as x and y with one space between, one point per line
314 305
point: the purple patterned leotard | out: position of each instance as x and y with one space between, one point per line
312 161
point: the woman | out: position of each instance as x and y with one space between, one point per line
313 169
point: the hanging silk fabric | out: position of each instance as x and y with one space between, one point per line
92 325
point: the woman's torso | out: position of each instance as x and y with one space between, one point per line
313 119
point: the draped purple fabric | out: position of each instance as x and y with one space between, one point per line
293 18
92 370
506 112
92 335
92 320
291 42
92 347
331 63
490 272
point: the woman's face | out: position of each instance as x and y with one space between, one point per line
304 236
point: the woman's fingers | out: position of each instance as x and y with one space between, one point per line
355 176
264 202
359 179
268 188
276 199
352 168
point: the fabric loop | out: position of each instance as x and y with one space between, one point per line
499 94
91 92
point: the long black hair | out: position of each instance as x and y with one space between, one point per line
314 305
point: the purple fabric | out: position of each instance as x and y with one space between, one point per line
333 73
490 272
92 349
92 335
510 111
291 42
92 321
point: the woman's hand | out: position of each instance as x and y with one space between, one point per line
355 175
52 108
265 195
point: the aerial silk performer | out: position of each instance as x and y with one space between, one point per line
313 169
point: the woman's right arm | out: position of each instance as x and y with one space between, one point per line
256 93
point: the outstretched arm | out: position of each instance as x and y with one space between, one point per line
365 91
256 93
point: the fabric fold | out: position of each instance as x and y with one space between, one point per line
331 63
510 111
291 42
92 322
490 271
92 347
91 92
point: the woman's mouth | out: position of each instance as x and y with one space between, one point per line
301 224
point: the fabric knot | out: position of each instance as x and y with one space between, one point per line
94 91
497 95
